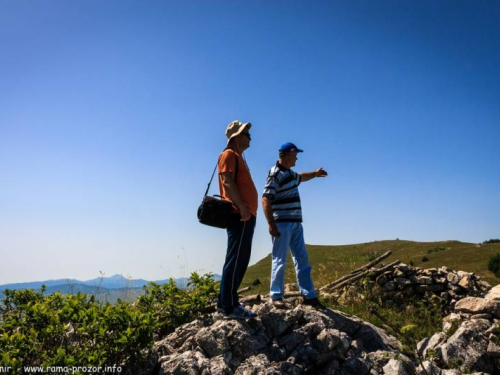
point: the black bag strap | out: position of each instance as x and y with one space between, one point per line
213 174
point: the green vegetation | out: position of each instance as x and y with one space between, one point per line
71 330
409 322
493 240
436 250
494 264
331 262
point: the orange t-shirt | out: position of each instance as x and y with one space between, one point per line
248 192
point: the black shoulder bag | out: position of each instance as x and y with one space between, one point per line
215 211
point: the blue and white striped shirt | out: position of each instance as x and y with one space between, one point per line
282 189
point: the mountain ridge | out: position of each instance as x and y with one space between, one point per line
114 286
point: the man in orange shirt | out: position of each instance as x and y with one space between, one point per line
236 185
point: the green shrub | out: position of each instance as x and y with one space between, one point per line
70 330
494 264
372 255
425 259
436 250
172 306
411 320
493 240
77 330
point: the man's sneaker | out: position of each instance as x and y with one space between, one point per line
279 303
240 313
221 310
314 302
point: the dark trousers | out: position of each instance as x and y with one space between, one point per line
239 247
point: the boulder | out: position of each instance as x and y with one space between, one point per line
467 348
254 365
397 367
493 294
453 278
476 305
428 368
185 363
465 282
430 343
221 364
214 340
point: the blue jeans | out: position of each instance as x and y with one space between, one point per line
292 237
239 247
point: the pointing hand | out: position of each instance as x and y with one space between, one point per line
321 173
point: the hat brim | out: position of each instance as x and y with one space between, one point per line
245 126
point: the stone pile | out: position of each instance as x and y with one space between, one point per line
403 281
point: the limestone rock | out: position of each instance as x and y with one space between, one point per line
430 343
467 347
214 340
493 349
465 282
475 305
186 363
494 294
396 367
355 366
428 368
254 365
424 280
292 287
453 278
222 364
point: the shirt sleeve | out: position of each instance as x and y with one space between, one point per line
298 177
227 162
270 186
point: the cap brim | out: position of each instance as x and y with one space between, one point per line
296 150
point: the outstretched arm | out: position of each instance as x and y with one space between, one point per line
306 176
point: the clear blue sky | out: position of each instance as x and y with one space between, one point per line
112 114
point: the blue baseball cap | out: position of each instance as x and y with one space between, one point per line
289 147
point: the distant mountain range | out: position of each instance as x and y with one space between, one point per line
107 288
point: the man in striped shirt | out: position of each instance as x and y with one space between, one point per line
281 204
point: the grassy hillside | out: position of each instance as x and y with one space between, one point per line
331 262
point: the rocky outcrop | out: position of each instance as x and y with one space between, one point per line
303 340
294 341
469 342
